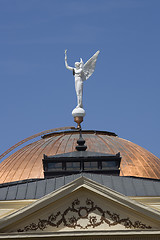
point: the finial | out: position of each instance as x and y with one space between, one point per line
81 142
78 120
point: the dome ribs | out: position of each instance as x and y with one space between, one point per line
116 148
26 163
70 144
14 161
148 159
62 145
128 166
136 165
14 155
37 167
54 145
107 143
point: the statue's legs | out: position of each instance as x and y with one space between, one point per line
79 92
79 101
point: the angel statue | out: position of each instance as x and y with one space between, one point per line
81 73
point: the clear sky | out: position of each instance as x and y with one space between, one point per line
37 91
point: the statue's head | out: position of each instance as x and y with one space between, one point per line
77 64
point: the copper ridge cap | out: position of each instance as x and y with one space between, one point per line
32 137
76 131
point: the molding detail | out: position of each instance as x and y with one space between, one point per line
93 214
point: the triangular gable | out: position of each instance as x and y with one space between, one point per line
79 206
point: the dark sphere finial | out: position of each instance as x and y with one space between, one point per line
81 142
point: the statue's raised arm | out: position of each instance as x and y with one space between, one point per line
68 67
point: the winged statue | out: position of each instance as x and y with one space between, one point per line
81 73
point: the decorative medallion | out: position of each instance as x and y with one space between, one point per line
74 216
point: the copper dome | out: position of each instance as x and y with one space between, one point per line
26 163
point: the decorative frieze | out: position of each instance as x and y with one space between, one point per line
78 216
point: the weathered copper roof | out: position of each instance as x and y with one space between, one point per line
26 163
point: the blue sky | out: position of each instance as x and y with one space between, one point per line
37 91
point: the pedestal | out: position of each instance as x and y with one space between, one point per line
78 114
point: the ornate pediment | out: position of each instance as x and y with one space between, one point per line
82 206
84 216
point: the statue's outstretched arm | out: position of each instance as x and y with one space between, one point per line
68 67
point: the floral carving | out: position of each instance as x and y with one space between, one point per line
93 214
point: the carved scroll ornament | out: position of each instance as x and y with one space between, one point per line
93 215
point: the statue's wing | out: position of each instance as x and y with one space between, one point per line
89 66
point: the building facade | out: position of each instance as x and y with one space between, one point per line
75 184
